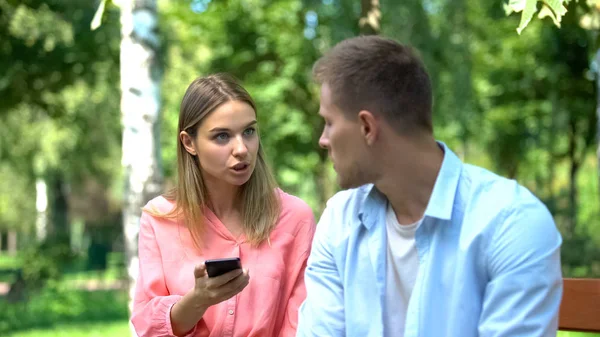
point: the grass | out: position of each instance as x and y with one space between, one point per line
119 328
8 266
577 334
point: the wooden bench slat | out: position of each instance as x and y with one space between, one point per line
580 306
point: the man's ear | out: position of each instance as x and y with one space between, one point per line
188 143
369 126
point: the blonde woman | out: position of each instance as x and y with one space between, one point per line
226 205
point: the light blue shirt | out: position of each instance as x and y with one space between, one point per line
489 255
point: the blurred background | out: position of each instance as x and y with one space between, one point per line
89 100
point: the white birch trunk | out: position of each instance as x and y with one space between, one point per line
140 108
41 205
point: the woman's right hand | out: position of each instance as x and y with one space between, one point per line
213 290
207 291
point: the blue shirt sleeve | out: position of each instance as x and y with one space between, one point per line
322 313
523 295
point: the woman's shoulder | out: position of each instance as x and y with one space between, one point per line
157 208
292 203
161 204
295 212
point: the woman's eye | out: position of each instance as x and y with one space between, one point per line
249 131
222 137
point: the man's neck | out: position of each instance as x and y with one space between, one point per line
408 178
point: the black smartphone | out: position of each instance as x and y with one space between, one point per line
218 267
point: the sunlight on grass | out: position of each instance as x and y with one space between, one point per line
105 329
576 334
8 262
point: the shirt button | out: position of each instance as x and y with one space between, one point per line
231 312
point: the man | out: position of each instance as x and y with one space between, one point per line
419 244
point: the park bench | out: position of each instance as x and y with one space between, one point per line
580 306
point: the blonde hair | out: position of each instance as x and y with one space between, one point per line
259 195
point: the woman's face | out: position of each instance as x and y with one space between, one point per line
226 143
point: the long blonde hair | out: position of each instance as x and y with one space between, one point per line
259 195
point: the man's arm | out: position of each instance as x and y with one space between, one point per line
523 295
322 313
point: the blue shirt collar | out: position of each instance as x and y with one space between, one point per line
442 197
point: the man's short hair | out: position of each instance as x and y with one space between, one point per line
379 75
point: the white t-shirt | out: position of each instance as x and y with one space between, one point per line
402 269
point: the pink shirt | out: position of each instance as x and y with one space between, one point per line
268 306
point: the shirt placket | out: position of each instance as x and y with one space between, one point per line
231 303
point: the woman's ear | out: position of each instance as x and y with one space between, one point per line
188 142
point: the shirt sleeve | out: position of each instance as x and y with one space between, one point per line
152 303
523 295
322 313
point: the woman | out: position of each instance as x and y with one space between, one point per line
226 204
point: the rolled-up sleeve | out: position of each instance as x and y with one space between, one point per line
152 303
523 295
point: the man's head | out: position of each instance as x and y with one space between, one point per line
372 87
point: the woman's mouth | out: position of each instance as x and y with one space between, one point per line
240 167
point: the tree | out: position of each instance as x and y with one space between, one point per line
556 10
370 17
140 111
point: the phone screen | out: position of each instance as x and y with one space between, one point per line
216 267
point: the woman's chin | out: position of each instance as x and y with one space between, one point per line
239 180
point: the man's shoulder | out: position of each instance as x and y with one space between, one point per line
344 206
486 186
487 195
349 200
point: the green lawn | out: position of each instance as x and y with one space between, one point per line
106 329
8 264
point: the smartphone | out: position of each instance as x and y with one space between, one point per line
218 267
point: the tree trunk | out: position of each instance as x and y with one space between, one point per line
598 113
140 108
552 151
370 17
572 219
12 243
60 228
41 204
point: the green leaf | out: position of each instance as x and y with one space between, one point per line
528 8
555 9
100 13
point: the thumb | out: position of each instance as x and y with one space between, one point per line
200 270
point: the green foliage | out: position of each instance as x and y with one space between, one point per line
58 305
60 118
555 9
238 37
43 262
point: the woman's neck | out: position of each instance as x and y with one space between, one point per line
223 198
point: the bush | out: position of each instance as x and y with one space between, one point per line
56 304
